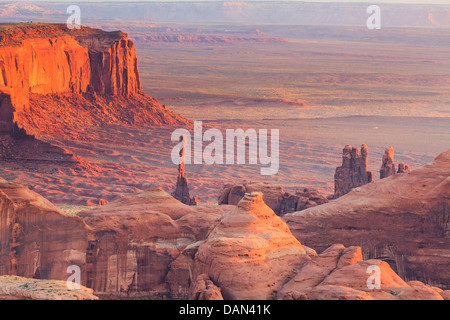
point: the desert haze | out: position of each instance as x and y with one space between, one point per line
86 151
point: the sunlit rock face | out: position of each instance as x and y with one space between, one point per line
339 273
138 244
128 247
250 253
38 61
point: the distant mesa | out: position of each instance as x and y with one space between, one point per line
54 81
205 38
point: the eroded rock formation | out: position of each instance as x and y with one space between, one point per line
403 168
353 172
250 253
387 163
181 192
388 166
37 240
275 197
340 273
125 248
301 200
403 220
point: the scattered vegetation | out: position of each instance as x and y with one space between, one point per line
73 210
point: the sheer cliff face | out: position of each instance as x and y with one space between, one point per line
50 59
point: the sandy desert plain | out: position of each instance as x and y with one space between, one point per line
322 87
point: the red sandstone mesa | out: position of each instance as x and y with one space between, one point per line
57 83
53 79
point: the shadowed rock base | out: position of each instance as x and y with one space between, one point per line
274 196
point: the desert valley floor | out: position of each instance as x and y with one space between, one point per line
322 87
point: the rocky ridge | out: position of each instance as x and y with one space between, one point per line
401 219
150 245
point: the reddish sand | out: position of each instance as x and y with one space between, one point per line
131 159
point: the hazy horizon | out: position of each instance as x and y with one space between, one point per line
445 2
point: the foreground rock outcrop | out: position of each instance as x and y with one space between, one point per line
18 288
126 248
250 253
340 273
402 219
37 240
149 245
